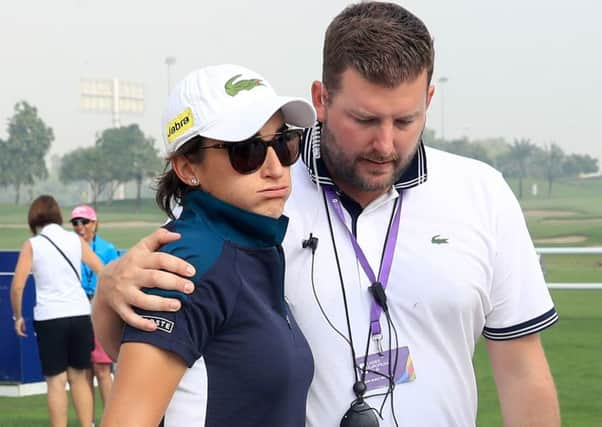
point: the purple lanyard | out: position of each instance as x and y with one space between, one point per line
383 276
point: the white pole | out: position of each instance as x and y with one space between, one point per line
116 122
442 81
169 61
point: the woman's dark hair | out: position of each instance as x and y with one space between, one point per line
170 188
43 211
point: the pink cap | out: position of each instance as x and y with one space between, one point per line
84 211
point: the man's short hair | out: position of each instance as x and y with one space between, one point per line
385 43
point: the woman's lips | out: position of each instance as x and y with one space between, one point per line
275 192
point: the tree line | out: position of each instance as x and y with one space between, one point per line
125 154
520 159
119 155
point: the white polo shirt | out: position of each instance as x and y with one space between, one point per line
464 266
59 292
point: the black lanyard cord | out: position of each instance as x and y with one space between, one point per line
336 255
391 328
313 287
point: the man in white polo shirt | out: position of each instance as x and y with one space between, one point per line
398 256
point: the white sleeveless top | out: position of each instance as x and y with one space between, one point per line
58 290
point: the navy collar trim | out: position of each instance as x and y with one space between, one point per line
238 225
414 175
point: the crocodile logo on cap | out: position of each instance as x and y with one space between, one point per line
234 89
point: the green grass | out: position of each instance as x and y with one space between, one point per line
124 238
13 214
573 268
581 199
118 211
573 348
13 238
31 411
581 196
573 345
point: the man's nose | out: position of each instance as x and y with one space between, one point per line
384 137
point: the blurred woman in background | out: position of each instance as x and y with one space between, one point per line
62 311
85 224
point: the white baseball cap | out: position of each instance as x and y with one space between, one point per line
227 103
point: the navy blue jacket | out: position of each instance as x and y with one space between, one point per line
259 365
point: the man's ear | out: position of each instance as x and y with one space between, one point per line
429 94
319 97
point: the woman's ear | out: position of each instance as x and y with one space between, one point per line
184 169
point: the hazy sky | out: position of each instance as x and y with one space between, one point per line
516 68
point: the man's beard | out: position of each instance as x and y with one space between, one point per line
344 168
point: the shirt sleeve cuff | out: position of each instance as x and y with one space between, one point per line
529 327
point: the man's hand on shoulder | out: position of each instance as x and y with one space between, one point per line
120 283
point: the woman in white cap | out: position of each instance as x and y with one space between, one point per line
62 311
85 224
230 141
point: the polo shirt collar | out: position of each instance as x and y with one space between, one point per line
414 175
238 225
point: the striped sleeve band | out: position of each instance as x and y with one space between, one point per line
522 329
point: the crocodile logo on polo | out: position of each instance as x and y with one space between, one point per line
234 89
438 240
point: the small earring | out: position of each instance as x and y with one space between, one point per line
194 181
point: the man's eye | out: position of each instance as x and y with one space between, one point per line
365 121
402 124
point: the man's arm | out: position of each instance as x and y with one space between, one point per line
119 288
525 386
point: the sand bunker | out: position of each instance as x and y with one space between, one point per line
560 239
573 220
534 213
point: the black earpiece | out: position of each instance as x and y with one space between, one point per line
378 293
311 242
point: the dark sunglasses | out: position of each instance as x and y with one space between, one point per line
247 156
80 221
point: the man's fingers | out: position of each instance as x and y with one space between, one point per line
155 303
149 259
166 281
136 298
133 319
167 263
120 281
146 302
154 241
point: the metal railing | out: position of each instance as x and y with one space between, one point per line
541 251
572 251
